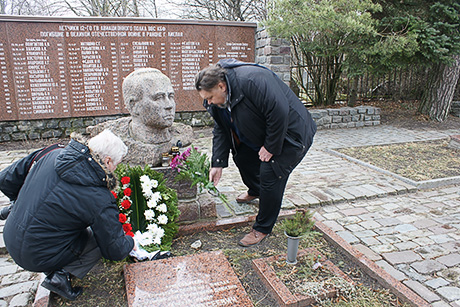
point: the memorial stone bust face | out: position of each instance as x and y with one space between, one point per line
150 130
149 98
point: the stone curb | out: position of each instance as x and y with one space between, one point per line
42 296
425 184
228 223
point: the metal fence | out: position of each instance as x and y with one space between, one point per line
400 84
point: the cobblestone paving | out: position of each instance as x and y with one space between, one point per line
413 234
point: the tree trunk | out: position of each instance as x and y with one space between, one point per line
437 98
2 7
353 95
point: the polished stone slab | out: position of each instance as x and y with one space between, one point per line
204 279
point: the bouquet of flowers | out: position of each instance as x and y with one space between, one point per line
193 166
148 206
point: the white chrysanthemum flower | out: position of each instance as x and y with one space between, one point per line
147 192
154 183
157 232
151 203
144 179
152 228
162 208
157 240
163 219
145 238
156 196
146 185
149 214
160 232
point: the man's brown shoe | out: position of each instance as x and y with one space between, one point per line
252 238
245 198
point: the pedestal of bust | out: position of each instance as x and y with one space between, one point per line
139 152
192 205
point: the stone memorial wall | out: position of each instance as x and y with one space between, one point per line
74 67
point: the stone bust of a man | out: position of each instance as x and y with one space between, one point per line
149 97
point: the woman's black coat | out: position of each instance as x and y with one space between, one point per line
64 193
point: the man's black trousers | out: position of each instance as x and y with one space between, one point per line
261 181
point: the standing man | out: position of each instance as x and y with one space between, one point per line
64 217
266 127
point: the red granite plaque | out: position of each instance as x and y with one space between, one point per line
70 67
205 279
8 108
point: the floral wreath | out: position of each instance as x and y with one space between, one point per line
147 207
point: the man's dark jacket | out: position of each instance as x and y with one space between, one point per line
266 112
64 193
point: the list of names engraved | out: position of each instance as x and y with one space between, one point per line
198 280
53 68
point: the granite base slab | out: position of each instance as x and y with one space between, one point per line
198 280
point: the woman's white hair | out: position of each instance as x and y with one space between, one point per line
107 144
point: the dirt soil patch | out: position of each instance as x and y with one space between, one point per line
416 160
104 285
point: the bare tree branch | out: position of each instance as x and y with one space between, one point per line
234 10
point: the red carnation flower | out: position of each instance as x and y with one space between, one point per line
130 233
114 194
125 180
127 227
127 192
122 218
126 204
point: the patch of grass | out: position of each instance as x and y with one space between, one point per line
417 160
304 279
365 297
302 271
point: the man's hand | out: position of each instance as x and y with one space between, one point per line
214 175
264 155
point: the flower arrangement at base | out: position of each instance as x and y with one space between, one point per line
146 206
194 166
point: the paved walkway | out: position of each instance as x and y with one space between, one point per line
413 234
